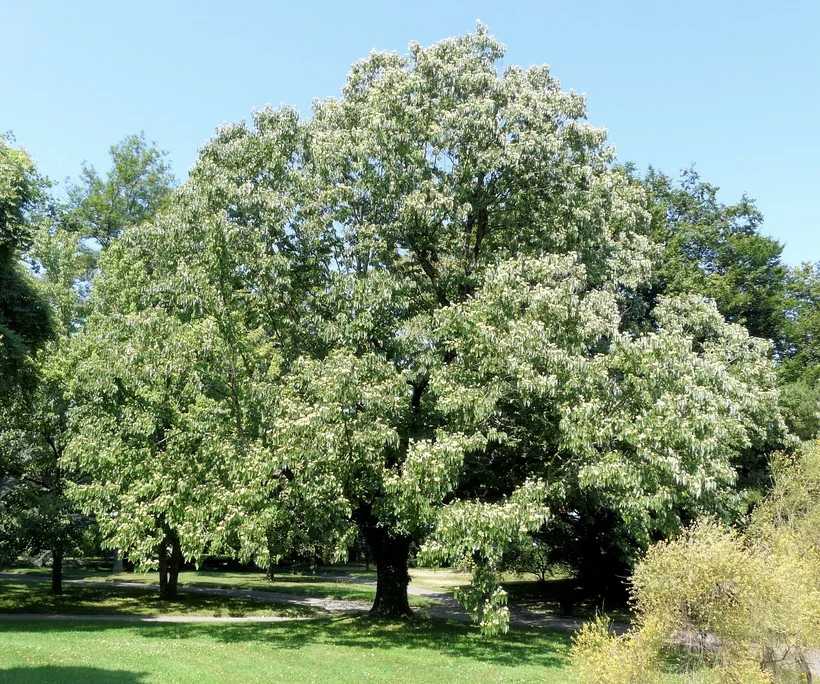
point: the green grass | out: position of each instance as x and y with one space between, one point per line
322 650
438 579
317 585
33 597
344 582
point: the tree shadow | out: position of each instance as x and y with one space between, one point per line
537 646
530 646
57 674
110 600
560 597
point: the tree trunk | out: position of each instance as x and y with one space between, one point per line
57 571
163 571
391 555
117 566
174 565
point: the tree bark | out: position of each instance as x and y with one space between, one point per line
57 571
117 566
174 566
163 571
170 562
391 554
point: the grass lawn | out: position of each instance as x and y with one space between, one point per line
323 650
348 582
33 597
438 579
323 584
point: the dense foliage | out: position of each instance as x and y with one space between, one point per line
436 316
25 323
409 315
62 249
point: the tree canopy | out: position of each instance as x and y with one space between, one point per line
62 249
406 315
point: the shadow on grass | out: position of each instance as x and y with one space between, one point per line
334 587
55 674
540 647
26 597
31 595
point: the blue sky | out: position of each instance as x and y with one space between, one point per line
731 87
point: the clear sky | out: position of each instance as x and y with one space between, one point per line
732 87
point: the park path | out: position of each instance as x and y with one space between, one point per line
445 605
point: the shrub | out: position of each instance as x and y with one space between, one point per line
739 607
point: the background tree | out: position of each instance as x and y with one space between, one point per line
36 515
716 250
137 184
800 366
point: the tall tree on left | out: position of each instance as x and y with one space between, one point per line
25 323
64 249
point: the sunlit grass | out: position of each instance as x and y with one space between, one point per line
323 650
438 579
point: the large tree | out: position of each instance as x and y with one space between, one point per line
404 315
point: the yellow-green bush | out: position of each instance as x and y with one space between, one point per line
730 607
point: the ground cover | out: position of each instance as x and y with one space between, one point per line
336 649
331 582
33 597
352 582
